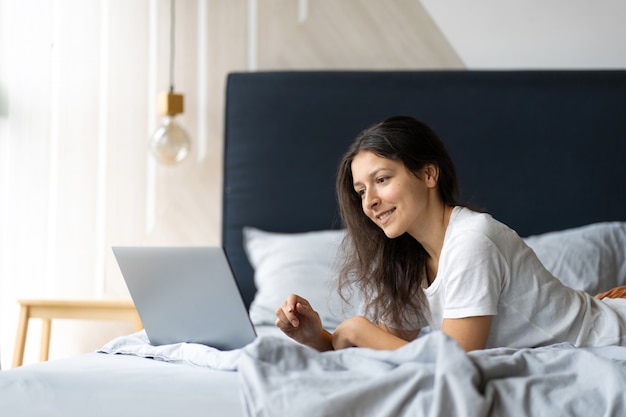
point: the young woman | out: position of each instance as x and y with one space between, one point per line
420 258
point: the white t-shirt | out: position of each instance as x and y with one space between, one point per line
485 268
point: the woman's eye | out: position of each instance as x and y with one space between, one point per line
361 193
381 180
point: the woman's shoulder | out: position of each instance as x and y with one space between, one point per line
467 219
478 233
466 223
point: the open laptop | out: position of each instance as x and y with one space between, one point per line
186 294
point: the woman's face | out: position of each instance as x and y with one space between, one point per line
394 198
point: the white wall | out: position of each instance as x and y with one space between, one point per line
534 33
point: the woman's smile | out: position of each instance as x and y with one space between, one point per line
383 217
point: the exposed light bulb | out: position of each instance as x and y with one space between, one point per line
170 143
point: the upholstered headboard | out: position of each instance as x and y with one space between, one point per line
539 150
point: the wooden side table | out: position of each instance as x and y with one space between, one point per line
48 309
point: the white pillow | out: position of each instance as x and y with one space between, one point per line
590 258
299 263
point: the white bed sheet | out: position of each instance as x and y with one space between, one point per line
100 384
97 384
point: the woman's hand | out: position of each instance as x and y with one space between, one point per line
297 319
360 332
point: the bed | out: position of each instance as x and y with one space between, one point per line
542 151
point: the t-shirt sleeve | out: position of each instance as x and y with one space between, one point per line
475 271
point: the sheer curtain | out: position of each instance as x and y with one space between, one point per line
78 85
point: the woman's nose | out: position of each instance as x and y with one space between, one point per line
371 200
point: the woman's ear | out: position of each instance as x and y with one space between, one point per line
431 175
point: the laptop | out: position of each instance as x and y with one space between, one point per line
186 294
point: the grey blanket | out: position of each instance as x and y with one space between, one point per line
431 376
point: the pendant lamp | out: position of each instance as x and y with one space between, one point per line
170 143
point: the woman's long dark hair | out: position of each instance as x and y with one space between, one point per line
390 272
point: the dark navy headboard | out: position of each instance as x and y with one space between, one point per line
540 150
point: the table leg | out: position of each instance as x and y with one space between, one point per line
20 339
45 339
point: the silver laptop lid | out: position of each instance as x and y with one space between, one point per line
186 294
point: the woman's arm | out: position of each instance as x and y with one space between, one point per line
471 333
360 332
297 319
407 335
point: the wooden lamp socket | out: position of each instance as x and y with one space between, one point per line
169 104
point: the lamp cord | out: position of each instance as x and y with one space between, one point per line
172 27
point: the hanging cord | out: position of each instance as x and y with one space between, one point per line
172 27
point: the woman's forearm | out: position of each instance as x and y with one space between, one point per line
360 332
324 342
